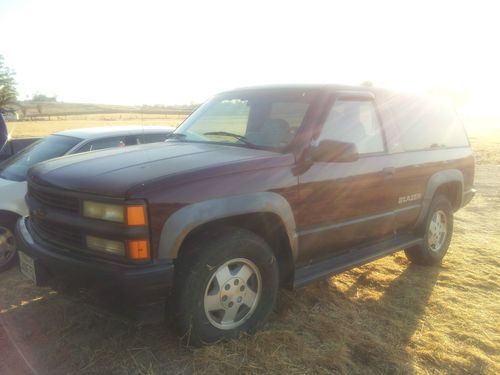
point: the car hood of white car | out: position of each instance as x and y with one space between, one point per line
4 182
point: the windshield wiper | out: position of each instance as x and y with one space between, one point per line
240 138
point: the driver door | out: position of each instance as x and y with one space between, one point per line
345 204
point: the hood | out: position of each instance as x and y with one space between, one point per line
116 171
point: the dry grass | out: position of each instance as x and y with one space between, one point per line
40 128
385 317
484 135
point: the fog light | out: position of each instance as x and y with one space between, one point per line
107 246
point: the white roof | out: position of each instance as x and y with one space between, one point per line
105 131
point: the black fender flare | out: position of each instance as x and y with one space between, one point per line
435 181
183 221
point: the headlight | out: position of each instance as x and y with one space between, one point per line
133 215
104 211
107 246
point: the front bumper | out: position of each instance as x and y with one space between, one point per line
141 291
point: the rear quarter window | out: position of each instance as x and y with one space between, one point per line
428 123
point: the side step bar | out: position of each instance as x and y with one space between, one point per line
353 258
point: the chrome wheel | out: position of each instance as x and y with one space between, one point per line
7 245
232 293
438 230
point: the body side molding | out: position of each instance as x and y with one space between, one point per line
182 222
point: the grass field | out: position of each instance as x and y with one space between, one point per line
387 317
40 128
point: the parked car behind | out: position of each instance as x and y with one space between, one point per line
13 170
8 146
14 145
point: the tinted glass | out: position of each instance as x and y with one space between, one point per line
354 122
16 167
151 138
426 124
262 119
111 142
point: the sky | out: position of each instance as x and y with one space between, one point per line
178 52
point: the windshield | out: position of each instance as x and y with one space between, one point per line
260 119
16 167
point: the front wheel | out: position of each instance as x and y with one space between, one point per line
438 231
8 251
226 284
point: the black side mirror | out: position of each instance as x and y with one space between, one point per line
330 151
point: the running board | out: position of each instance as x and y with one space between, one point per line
353 258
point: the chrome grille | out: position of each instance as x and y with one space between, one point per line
50 199
57 234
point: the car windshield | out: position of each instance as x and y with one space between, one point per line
16 167
261 119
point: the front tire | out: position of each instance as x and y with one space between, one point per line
226 284
8 248
437 232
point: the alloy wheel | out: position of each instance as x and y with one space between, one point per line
233 293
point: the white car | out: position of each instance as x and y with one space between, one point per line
13 171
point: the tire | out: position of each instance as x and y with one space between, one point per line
225 284
8 249
437 231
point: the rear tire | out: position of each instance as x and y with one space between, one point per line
8 248
437 231
225 284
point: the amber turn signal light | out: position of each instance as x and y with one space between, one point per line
138 249
136 215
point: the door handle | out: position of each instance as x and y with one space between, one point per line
389 171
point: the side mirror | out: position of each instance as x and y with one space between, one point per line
4 134
330 151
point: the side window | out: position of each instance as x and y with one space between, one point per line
427 124
354 121
101 144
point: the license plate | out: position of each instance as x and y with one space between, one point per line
27 265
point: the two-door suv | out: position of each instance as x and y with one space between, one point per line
259 188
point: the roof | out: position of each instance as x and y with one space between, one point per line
381 94
105 131
297 87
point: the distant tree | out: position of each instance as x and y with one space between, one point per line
43 98
39 108
8 93
24 110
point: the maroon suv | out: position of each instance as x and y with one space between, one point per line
259 188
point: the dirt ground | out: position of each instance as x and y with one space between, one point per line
387 317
